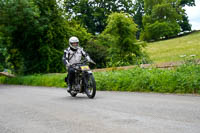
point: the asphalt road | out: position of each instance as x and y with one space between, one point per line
25 109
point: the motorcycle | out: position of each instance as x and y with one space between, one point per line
84 80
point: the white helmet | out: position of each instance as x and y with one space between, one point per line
73 40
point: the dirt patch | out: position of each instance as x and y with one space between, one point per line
6 74
167 65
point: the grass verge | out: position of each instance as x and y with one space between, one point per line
49 80
183 79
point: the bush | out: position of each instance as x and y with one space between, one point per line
97 52
184 79
121 31
159 30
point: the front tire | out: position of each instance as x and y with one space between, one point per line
90 88
73 94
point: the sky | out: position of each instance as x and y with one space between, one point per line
194 15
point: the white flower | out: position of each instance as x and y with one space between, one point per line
182 56
193 55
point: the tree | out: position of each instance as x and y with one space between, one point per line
97 51
38 34
16 16
187 2
184 23
138 15
3 53
161 19
140 9
122 31
92 14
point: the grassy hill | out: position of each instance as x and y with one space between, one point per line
173 49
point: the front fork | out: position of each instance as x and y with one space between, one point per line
85 80
81 82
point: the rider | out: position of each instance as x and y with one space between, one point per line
73 54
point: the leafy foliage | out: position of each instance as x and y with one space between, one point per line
16 16
3 53
93 14
184 23
161 19
38 33
160 29
97 52
170 12
34 33
138 15
122 30
184 79
187 2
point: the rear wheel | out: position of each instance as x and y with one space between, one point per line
90 88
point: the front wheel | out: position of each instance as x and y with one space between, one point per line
90 88
73 94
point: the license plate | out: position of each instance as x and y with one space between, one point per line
85 68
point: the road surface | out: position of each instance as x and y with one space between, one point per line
25 109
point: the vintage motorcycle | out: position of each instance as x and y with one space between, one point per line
84 80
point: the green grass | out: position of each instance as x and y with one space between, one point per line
184 79
49 80
171 50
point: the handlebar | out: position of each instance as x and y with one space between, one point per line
83 63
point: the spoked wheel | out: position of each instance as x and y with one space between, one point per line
73 93
90 89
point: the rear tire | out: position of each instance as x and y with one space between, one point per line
90 88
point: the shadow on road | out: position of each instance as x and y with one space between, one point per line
78 97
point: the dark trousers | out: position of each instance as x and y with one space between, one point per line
71 76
